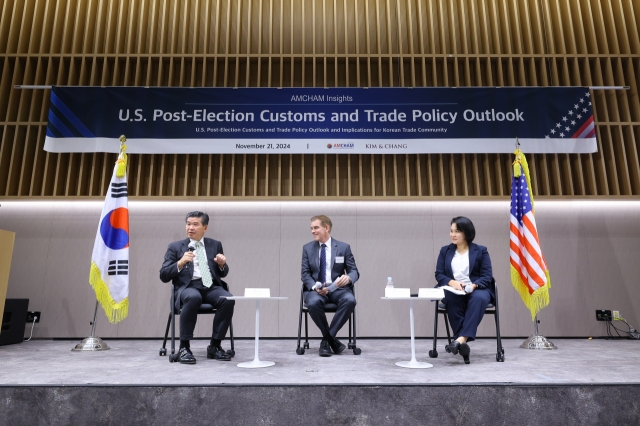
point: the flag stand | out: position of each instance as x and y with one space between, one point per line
537 341
92 343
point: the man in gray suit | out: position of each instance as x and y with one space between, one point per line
195 266
328 272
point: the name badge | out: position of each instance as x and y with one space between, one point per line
339 259
397 292
431 293
257 292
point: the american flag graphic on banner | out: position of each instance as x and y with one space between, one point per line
577 122
529 272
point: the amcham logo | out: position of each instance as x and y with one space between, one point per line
341 146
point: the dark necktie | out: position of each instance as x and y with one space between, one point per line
323 264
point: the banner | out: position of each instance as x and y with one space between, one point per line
313 120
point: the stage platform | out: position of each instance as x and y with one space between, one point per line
583 382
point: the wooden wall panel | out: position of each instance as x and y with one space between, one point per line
318 43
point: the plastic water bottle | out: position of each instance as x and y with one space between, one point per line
389 282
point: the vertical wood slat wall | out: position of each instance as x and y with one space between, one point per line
318 43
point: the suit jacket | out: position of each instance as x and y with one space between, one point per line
180 280
480 272
311 263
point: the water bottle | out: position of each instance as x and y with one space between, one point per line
389 282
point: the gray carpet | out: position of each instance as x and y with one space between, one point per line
136 362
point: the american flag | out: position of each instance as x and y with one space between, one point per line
528 267
577 122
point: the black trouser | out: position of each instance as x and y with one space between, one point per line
466 312
196 294
315 303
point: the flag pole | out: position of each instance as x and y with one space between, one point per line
95 314
92 343
537 341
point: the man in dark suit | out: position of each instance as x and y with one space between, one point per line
195 266
328 272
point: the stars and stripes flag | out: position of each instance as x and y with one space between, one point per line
529 271
577 122
109 274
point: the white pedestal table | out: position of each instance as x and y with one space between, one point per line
413 363
256 363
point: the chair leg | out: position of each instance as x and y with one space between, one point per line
299 331
435 328
173 357
500 349
446 323
306 330
356 349
233 349
173 334
163 349
433 353
354 328
166 333
349 344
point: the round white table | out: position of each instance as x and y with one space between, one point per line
413 363
256 363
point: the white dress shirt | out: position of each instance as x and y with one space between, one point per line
460 267
197 274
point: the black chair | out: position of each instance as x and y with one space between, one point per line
492 309
329 307
205 308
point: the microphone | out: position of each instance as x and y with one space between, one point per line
191 248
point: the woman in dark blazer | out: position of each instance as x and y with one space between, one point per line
464 266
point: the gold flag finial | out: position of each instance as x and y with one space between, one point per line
122 158
517 162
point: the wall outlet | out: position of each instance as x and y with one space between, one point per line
603 315
616 316
31 315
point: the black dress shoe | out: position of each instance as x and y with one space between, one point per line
186 357
453 348
325 350
465 350
337 346
216 352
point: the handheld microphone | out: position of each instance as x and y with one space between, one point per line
191 248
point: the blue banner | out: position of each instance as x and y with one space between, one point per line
313 120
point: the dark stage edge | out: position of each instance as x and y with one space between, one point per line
366 404
584 382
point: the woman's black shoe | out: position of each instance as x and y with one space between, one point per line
453 348
465 350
